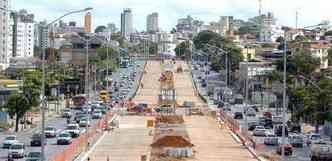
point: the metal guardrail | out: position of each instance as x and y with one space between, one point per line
140 81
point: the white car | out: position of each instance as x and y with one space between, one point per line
50 132
9 140
84 122
73 130
97 115
259 132
16 150
64 139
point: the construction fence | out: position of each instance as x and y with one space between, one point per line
84 141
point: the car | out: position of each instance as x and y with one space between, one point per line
78 116
296 140
66 113
267 114
288 149
64 138
313 137
9 140
277 119
16 150
259 132
97 114
321 150
252 125
84 122
73 130
238 115
50 132
251 112
33 156
278 130
36 140
271 140
259 127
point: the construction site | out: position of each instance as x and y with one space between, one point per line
174 125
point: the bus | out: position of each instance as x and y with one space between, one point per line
103 95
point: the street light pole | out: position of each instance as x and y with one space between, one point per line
87 70
43 101
284 101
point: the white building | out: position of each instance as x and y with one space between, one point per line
166 43
25 35
4 30
127 23
226 24
152 22
41 35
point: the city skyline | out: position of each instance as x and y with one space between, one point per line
170 12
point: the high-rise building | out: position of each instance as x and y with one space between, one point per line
126 23
227 23
42 39
4 30
24 36
152 23
87 22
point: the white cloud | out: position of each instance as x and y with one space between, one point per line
105 11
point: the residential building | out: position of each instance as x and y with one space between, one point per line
127 23
226 25
248 52
319 49
41 37
25 35
4 30
88 22
265 23
189 26
152 24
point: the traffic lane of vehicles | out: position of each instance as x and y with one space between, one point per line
299 153
51 148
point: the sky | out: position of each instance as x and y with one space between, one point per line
310 12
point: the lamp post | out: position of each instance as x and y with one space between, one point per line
43 100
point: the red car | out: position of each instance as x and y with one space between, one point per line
288 149
268 114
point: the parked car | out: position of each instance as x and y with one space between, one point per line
252 125
16 150
313 137
36 140
9 140
321 151
296 140
251 112
50 132
238 115
278 130
259 132
73 130
64 138
268 114
66 113
288 149
33 156
271 140
277 119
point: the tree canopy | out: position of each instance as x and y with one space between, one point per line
100 29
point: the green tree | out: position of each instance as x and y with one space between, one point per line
182 48
100 29
329 57
17 105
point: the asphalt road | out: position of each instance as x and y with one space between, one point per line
299 154
60 123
